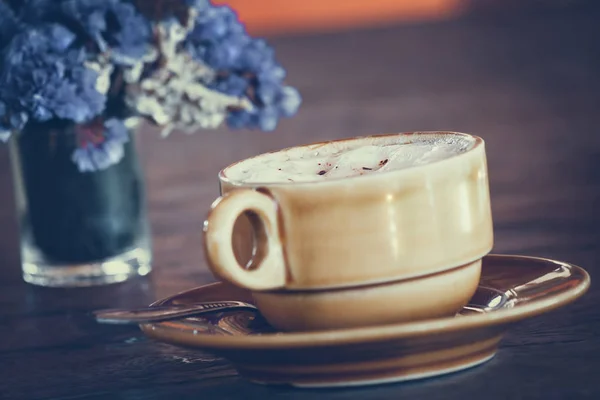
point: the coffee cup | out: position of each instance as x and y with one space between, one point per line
354 232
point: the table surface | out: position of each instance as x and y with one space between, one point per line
528 84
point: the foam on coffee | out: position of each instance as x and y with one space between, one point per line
348 158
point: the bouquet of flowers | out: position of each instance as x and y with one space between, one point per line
102 65
76 78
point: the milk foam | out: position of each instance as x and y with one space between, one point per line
344 159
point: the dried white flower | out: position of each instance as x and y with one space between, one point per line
104 69
132 123
133 73
175 95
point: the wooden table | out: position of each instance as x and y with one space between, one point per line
528 84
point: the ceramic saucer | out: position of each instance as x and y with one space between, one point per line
511 289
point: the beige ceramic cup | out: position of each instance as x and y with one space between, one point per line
379 248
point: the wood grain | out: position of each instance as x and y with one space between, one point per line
528 84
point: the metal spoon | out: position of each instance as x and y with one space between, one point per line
164 313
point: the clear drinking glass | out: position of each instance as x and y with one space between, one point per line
77 228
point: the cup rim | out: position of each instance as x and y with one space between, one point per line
478 142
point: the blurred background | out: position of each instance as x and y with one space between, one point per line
283 17
273 17
522 74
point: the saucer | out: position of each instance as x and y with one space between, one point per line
511 289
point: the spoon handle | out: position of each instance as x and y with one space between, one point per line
164 313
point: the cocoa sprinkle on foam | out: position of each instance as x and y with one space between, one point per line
333 162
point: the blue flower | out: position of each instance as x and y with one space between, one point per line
199 5
100 145
33 12
113 25
245 67
45 76
218 38
8 24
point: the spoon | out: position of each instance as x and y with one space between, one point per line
164 313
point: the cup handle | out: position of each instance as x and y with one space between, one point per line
267 269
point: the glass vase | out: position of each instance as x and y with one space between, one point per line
77 228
